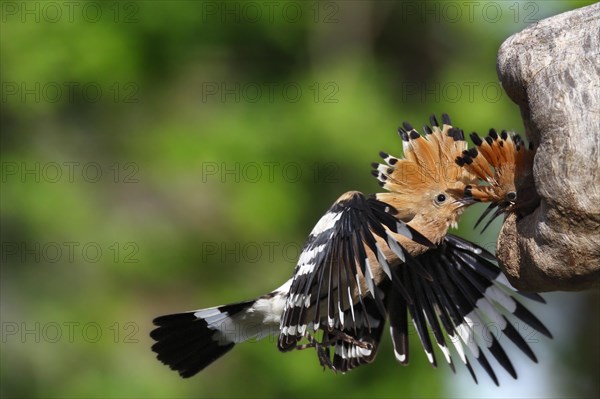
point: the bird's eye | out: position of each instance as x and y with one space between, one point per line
440 198
511 196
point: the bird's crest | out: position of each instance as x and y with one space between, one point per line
428 163
504 166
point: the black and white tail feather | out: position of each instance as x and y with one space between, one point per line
188 342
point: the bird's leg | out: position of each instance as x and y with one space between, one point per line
322 349
342 336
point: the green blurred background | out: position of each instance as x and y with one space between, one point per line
166 156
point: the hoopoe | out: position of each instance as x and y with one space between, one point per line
370 258
504 166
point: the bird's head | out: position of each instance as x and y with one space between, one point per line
504 166
427 183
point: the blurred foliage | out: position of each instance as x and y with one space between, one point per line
153 152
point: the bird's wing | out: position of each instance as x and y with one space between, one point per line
366 333
342 262
471 300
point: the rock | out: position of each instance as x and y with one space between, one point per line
552 71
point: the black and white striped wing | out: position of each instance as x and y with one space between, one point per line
366 330
470 299
334 272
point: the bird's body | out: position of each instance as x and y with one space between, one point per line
367 260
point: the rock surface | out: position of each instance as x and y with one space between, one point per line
552 71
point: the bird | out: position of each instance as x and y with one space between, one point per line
370 259
503 164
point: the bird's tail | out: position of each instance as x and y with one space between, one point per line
188 342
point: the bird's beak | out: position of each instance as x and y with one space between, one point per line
465 198
466 201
